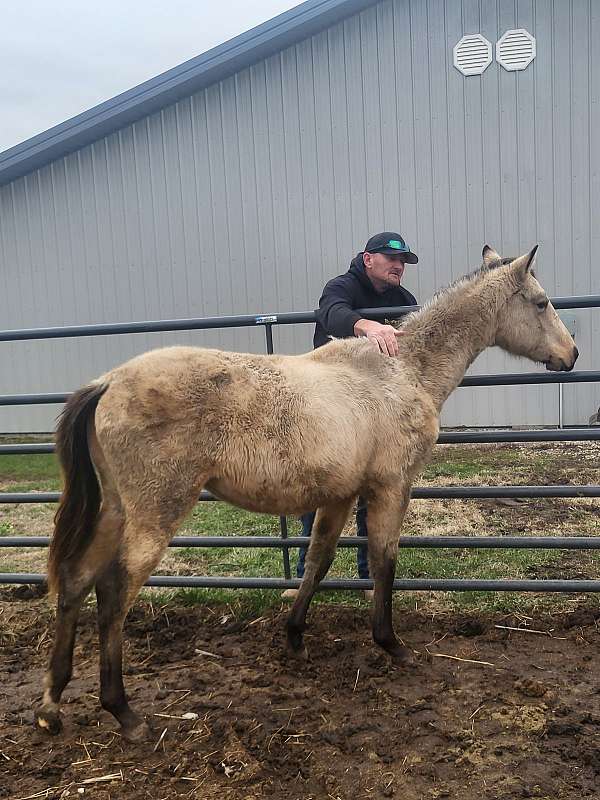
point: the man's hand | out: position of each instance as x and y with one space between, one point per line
385 336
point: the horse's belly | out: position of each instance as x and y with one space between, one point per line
275 497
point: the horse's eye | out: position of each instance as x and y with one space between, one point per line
542 305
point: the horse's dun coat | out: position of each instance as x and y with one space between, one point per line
278 434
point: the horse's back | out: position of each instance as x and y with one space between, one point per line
269 432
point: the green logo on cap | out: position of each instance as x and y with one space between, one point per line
396 244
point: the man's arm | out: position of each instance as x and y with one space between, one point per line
338 318
336 313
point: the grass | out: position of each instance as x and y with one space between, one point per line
32 472
450 465
461 464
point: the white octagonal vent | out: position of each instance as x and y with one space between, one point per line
515 50
472 54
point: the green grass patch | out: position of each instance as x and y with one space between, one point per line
250 603
220 519
42 470
466 563
39 485
452 461
242 604
11 567
460 464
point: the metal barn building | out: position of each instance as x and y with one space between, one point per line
240 181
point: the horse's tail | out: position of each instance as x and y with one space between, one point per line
81 497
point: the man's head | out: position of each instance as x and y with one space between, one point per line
384 257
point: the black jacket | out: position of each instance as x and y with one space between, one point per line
336 314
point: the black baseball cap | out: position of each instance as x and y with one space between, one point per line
390 244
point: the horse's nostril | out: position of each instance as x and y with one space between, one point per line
575 354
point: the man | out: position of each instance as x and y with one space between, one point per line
373 281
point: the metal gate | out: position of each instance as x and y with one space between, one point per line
285 542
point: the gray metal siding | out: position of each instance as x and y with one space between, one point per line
247 196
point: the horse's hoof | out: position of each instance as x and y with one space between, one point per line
48 721
401 655
295 645
297 653
138 733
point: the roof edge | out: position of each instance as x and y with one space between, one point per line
192 76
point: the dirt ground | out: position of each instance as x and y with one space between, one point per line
485 712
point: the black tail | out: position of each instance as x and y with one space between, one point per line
80 501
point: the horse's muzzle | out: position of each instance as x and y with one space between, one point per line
560 365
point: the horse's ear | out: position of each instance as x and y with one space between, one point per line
531 257
491 259
522 265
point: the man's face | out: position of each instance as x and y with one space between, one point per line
384 271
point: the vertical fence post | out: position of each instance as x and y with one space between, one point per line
560 405
282 520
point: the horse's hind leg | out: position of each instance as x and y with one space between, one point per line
70 597
323 541
75 582
115 592
144 541
385 515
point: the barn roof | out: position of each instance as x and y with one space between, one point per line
192 76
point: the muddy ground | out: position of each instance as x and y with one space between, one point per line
485 712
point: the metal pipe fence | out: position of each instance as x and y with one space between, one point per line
284 542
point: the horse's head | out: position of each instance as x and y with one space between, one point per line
528 325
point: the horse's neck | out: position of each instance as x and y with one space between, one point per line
445 337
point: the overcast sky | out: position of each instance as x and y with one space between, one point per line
61 57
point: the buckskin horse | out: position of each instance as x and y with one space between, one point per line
276 434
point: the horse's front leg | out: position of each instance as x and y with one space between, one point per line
326 531
386 510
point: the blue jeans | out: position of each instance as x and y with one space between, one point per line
362 561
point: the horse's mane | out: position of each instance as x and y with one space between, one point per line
471 277
452 288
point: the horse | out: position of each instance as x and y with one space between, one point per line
281 434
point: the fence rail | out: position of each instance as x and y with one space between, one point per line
409 584
285 543
451 437
525 378
418 493
415 542
234 321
